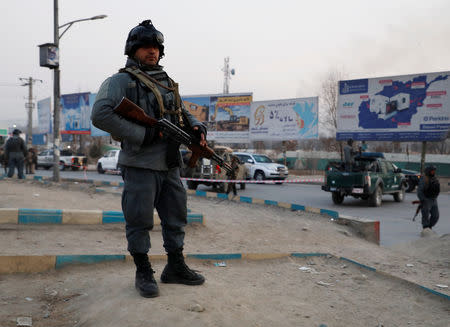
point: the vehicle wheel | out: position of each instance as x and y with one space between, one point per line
100 169
375 197
61 166
410 186
47 167
242 186
221 187
337 197
192 185
75 168
259 176
400 196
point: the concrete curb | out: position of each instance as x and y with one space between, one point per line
74 217
33 264
368 229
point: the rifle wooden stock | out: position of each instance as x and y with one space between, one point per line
133 112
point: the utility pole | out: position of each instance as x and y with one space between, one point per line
227 72
49 57
56 97
29 105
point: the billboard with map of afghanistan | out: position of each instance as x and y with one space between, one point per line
399 108
283 120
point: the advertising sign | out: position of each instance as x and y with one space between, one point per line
44 115
282 120
198 106
400 108
94 130
75 113
39 139
227 116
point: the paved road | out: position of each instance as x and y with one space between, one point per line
396 225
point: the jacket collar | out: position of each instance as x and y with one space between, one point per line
133 62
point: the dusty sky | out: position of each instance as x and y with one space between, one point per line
279 49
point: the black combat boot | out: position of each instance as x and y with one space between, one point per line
145 283
177 272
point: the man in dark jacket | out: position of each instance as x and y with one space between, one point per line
15 152
427 193
349 155
150 162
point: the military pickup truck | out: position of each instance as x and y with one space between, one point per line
371 177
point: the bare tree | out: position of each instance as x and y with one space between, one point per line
329 98
329 91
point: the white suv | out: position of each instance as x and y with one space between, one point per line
108 162
261 167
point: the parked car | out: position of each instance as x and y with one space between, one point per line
67 159
371 176
109 161
261 167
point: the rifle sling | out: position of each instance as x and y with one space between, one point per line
150 83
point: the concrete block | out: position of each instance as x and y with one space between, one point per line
368 229
264 256
284 205
26 264
313 210
82 217
9 216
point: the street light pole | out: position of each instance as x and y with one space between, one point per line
56 98
56 87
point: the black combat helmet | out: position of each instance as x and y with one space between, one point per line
17 131
144 34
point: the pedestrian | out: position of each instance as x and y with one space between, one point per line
363 147
427 192
231 186
34 157
3 161
349 155
150 162
15 152
30 161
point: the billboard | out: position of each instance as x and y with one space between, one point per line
44 115
75 113
282 120
412 107
227 116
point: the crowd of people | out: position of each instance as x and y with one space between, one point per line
15 156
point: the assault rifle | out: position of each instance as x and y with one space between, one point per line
419 207
133 112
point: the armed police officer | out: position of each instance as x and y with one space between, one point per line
15 152
427 192
349 155
150 162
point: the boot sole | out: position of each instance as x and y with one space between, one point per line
182 281
147 295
